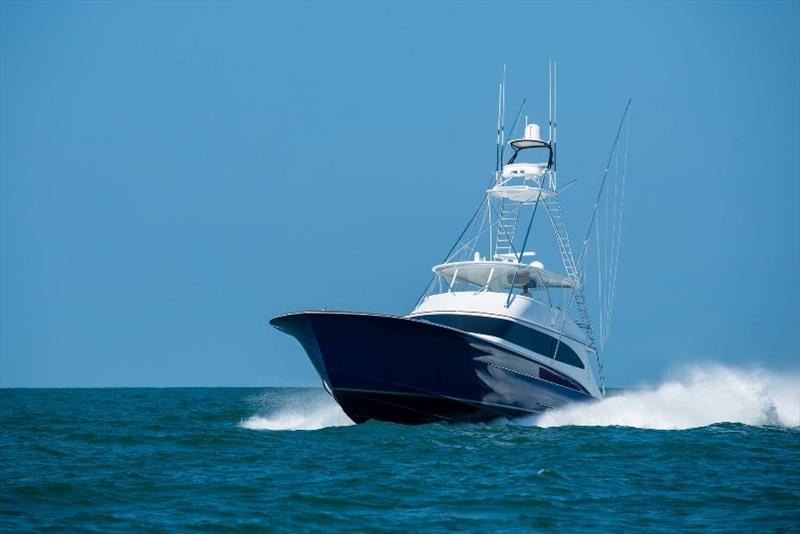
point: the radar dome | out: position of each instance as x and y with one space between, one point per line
533 132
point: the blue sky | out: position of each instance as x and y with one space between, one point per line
174 174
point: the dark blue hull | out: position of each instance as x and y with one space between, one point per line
410 371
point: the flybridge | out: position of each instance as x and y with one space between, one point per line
526 179
515 185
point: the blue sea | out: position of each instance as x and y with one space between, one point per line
229 459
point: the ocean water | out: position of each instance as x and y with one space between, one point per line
716 449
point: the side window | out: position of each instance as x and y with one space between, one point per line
544 374
529 338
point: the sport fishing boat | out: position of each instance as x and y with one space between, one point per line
488 338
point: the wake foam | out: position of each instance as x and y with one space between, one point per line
305 412
701 396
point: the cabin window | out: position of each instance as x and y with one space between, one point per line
550 376
531 339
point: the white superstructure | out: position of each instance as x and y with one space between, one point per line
492 272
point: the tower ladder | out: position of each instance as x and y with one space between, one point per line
507 226
553 206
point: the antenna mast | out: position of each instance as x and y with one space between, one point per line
501 127
555 123
497 146
550 101
503 118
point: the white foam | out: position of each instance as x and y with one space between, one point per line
313 416
701 396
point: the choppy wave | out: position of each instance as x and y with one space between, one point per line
71 460
699 396
307 412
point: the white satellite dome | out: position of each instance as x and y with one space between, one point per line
533 132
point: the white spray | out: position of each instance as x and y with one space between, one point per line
311 411
702 396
